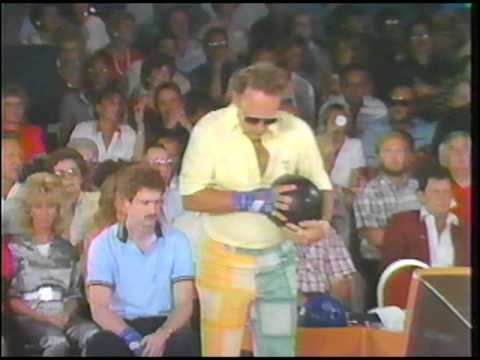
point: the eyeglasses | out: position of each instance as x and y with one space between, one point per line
160 162
392 22
420 36
67 173
254 121
216 44
399 102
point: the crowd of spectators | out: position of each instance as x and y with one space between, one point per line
386 92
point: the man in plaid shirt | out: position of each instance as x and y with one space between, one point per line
391 192
325 267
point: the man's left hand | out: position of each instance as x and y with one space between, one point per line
310 231
155 343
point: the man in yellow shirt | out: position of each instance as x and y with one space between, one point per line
246 267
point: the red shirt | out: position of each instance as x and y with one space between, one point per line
120 66
32 140
463 198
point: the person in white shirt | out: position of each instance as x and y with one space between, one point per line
114 138
189 51
93 28
344 159
46 22
357 88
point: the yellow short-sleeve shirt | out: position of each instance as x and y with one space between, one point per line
220 156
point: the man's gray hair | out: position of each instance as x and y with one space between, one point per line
444 148
82 143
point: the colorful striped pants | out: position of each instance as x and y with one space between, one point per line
241 286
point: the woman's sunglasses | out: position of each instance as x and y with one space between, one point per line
254 121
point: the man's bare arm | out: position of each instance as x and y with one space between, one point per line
373 235
100 298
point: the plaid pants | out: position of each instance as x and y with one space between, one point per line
239 286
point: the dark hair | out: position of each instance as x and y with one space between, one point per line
109 91
168 85
37 165
405 136
162 37
197 100
107 168
433 171
153 62
419 21
293 41
211 32
67 154
116 18
169 14
138 176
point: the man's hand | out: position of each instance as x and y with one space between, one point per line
155 343
308 232
59 320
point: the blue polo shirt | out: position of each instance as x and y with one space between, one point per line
142 283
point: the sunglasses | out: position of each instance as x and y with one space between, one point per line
216 44
67 173
419 36
399 102
254 121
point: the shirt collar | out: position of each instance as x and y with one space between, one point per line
451 218
384 179
118 130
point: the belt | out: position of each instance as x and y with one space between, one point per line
44 293
284 245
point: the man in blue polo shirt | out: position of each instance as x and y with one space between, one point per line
140 283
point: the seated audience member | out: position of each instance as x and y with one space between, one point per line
458 117
167 45
175 145
392 191
265 53
12 167
189 52
45 292
237 36
213 75
8 272
78 205
109 211
356 87
92 27
401 116
89 151
343 158
454 153
78 106
121 56
156 70
317 58
159 159
14 106
114 138
169 116
325 267
291 56
390 48
197 105
432 234
346 50
46 21
71 57
131 326
271 29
